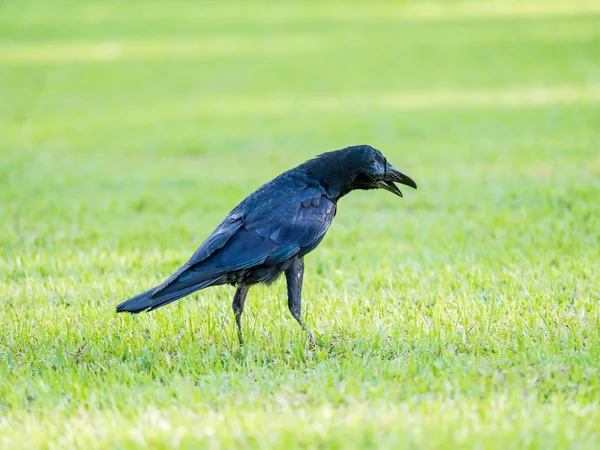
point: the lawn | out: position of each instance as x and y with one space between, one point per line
465 315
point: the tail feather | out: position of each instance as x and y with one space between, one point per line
146 301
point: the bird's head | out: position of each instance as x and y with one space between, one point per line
361 167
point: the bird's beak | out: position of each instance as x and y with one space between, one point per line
392 176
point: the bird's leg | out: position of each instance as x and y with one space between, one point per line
294 276
238 308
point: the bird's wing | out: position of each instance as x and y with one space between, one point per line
276 234
276 226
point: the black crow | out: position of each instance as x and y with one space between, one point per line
272 229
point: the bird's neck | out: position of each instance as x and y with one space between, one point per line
335 179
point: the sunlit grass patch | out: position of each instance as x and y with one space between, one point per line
464 316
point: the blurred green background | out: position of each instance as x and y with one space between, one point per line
464 315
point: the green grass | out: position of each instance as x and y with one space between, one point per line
465 315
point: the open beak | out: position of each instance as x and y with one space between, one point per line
392 176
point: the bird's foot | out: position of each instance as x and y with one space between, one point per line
314 340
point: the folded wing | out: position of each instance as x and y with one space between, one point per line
264 230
